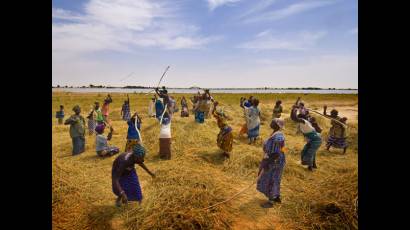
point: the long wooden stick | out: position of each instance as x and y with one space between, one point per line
341 123
166 70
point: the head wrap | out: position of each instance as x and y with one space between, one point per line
100 128
280 122
139 150
76 108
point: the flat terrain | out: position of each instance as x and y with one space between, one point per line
197 176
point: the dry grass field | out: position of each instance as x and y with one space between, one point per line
197 176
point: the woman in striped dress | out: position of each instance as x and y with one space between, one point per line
125 110
253 121
272 164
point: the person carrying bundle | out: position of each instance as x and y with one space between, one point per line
60 115
101 142
125 182
311 131
252 115
125 110
225 137
165 137
184 107
337 133
77 130
133 137
277 110
272 164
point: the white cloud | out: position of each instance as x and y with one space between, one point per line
288 11
267 41
213 4
258 7
122 25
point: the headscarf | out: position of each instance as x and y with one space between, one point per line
139 150
100 128
76 108
279 121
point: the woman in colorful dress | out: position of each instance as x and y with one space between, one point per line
60 115
225 137
337 133
200 109
253 121
106 107
277 110
184 108
272 164
77 130
101 142
125 182
133 136
99 118
125 110
311 131
159 108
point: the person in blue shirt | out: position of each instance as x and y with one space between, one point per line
60 115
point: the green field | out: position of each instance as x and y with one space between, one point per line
198 176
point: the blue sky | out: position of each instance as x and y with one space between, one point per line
207 43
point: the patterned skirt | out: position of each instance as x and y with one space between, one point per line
126 116
109 151
225 139
337 142
130 184
269 182
308 155
91 126
252 133
129 146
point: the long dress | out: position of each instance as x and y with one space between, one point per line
272 166
313 139
126 114
165 139
252 121
159 108
225 138
123 170
337 135
151 112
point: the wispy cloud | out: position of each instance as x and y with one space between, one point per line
121 25
213 4
299 41
255 15
257 7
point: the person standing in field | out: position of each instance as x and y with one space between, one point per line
244 103
184 107
99 118
106 107
91 122
159 108
77 130
60 115
272 164
125 110
337 133
101 142
151 106
165 137
200 109
225 137
125 182
253 121
311 132
133 137
277 110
